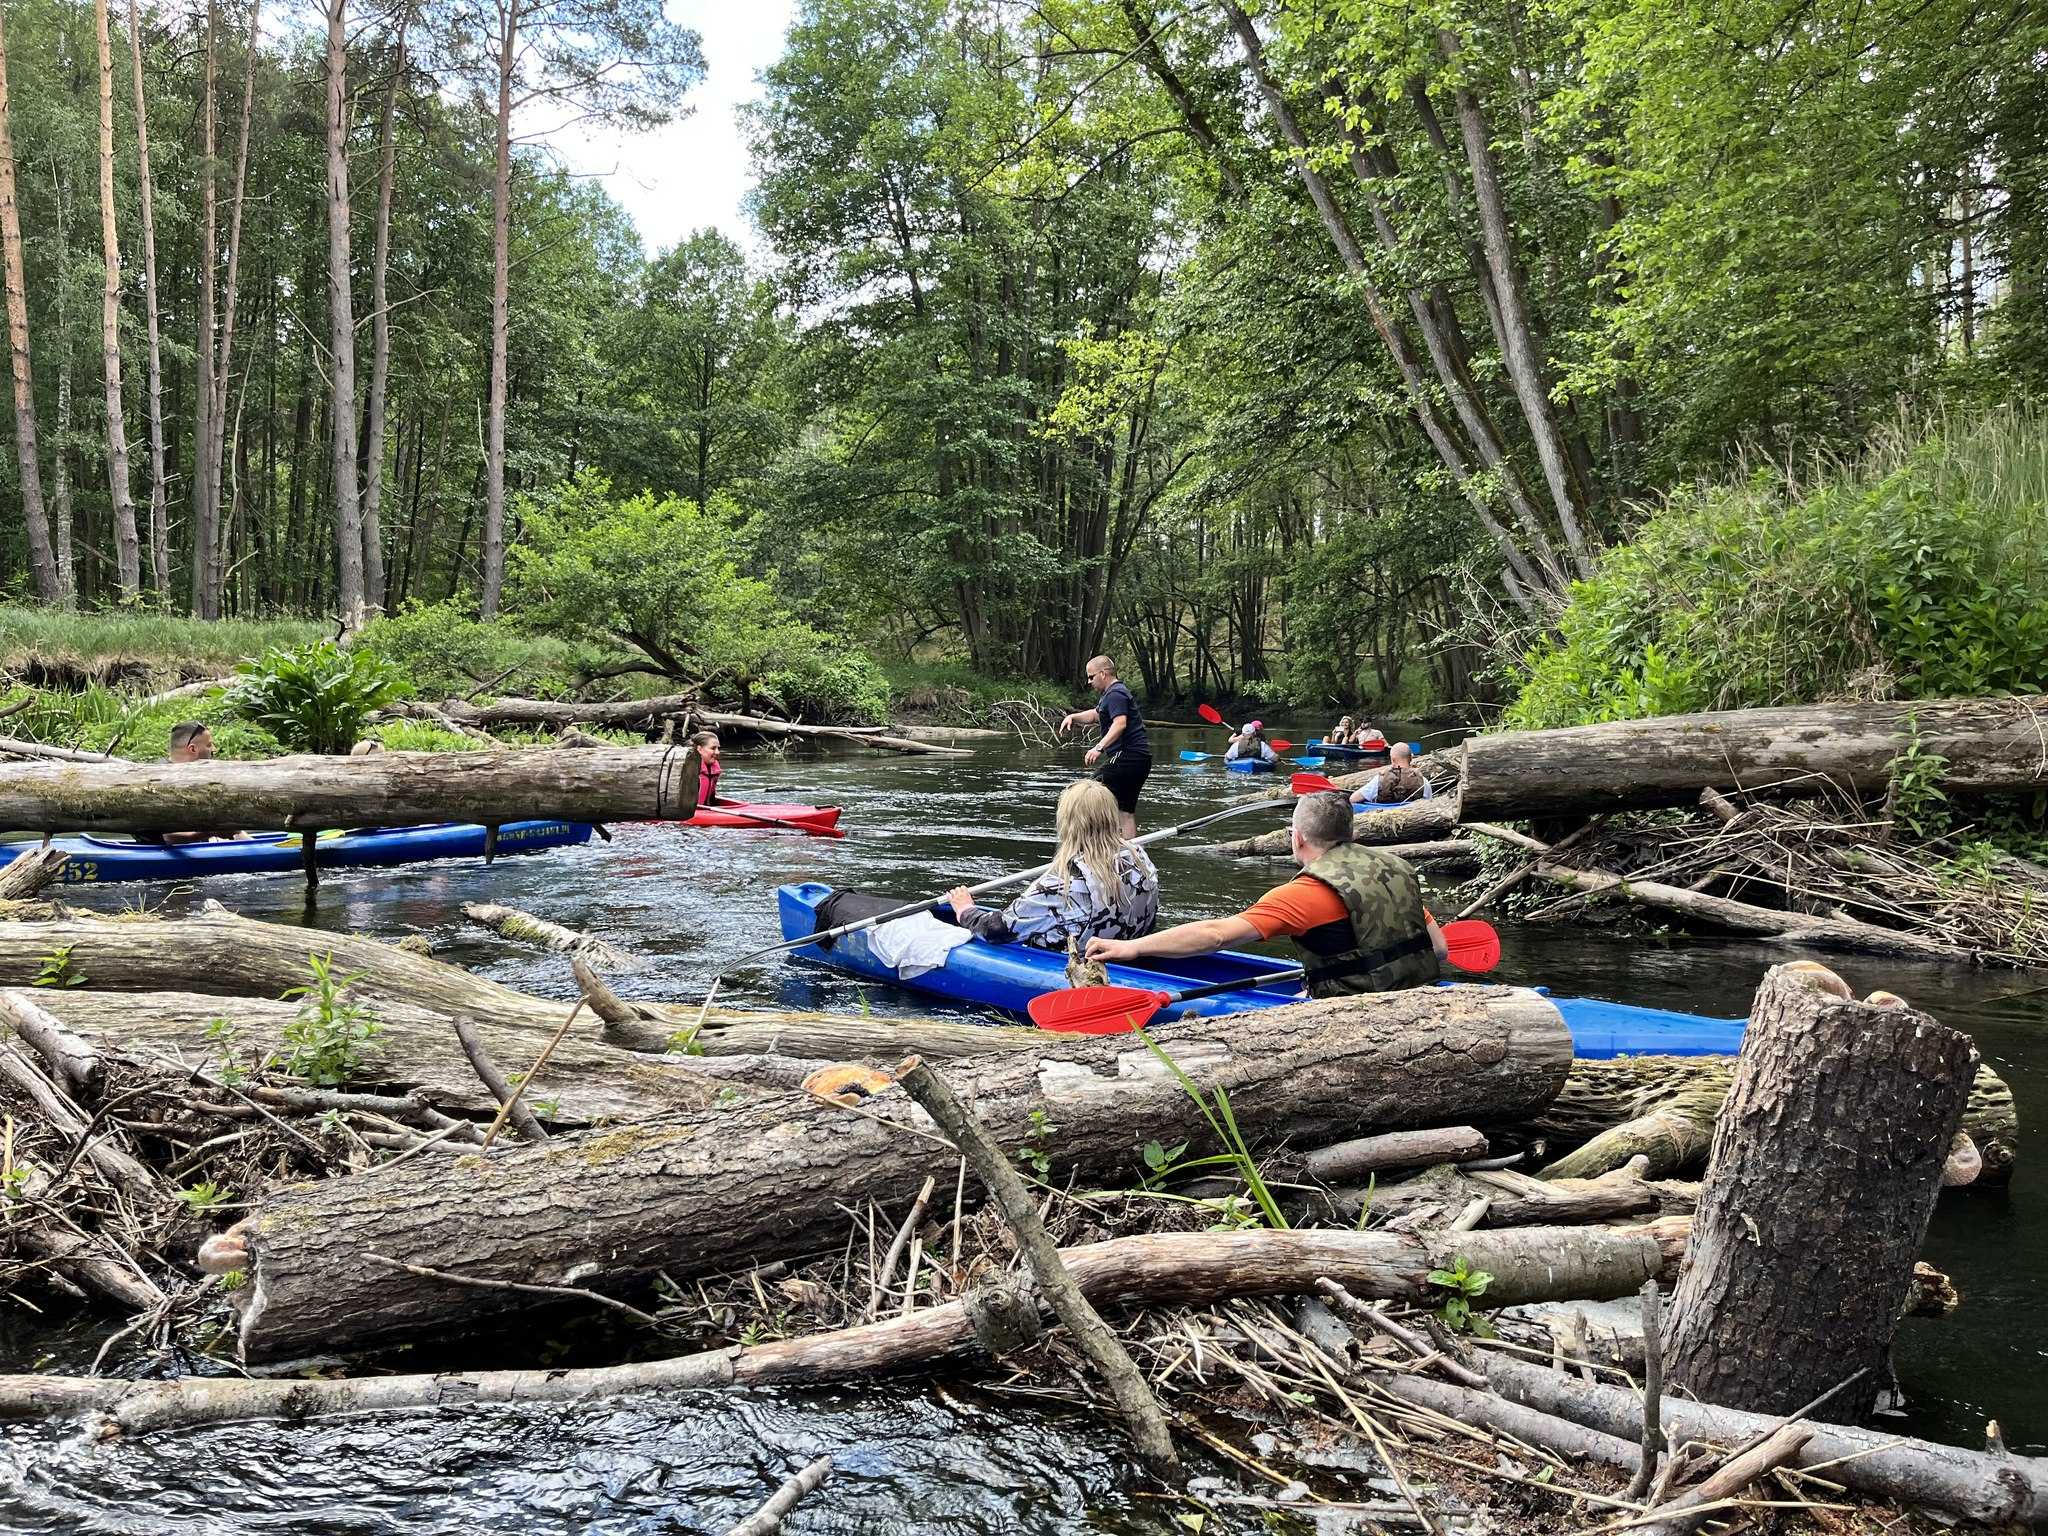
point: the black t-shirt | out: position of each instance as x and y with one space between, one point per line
1117 703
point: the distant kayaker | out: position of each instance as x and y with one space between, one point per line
1355 912
1098 885
1341 736
1397 783
1123 751
1250 742
191 742
709 768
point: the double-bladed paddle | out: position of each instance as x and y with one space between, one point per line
1300 784
1214 716
1473 946
726 809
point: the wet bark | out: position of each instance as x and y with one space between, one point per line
1826 1162
765 1179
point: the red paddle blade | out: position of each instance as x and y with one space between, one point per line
1097 1010
1474 946
1311 784
1281 746
1210 713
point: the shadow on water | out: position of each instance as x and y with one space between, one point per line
693 903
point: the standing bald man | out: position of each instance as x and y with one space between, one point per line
1123 753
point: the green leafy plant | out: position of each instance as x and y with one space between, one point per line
1038 1156
1915 797
328 1035
234 1279
315 697
14 1184
57 969
1236 1154
1462 1286
205 1195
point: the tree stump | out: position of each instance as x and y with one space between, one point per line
1826 1162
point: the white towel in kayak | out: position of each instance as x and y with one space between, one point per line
910 946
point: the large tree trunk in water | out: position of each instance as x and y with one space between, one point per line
205 486
765 1179
1992 746
127 546
159 509
380 334
42 560
1422 822
341 314
388 790
501 282
1831 1143
1600 1096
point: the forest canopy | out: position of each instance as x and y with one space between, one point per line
1314 349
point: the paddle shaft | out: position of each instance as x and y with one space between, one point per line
725 809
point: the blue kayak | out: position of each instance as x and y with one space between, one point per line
1331 749
1248 765
1006 977
102 861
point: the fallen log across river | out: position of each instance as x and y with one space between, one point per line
1529 1264
531 712
386 789
766 1178
1992 746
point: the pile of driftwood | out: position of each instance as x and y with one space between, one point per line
801 1203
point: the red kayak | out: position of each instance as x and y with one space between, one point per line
818 820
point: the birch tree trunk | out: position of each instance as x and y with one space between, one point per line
42 560
501 262
380 334
61 512
223 365
159 510
205 495
1518 346
1449 450
348 511
127 547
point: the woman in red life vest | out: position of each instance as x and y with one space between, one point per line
708 766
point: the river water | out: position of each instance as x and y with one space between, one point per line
922 1457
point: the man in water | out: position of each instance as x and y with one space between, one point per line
1397 783
1123 752
1356 914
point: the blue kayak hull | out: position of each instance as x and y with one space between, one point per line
104 861
1006 977
1248 765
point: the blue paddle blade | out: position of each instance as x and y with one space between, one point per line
1415 747
1310 762
1195 757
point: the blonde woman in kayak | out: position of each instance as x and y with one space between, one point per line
1098 885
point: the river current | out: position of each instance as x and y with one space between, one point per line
918 1455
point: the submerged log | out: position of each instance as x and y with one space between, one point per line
1993 1490
218 953
765 1179
1162 1269
1601 1095
525 928
1831 1143
1992 746
384 790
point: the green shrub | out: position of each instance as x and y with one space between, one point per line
1919 572
315 698
448 652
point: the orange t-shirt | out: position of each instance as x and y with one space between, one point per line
1294 908
1301 904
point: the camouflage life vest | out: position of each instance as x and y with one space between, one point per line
1398 785
1382 945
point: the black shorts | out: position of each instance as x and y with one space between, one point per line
1125 775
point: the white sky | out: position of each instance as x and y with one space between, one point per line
692 173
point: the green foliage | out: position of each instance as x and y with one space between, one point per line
316 697
1463 1285
204 1196
330 1033
1215 1109
1920 571
1914 795
663 576
446 652
1038 1155
56 969
141 644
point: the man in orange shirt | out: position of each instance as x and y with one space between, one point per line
1355 912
